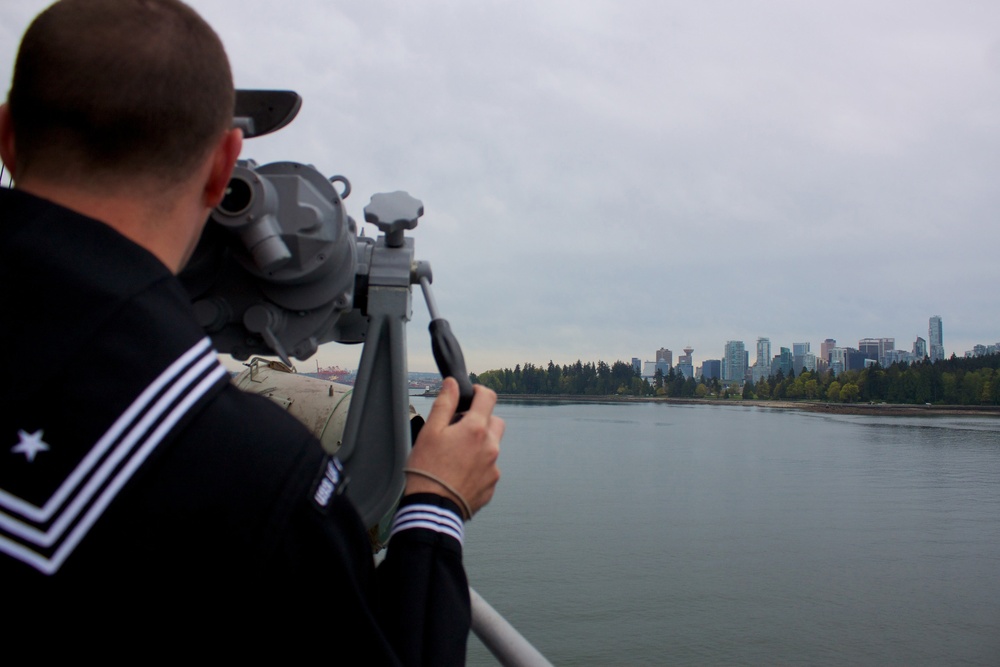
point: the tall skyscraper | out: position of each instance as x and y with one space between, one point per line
763 351
919 348
762 365
734 363
935 335
799 352
663 354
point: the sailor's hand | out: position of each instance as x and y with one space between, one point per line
461 456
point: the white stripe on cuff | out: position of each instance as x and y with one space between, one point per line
430 517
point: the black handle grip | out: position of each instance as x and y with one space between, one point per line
450 362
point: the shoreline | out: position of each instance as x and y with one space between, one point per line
876 409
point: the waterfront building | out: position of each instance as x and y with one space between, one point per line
935 336
663 354
734 362
762 366
637 365
711 369
980 350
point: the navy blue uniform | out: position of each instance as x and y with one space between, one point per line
142 494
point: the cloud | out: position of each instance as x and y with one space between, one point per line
602 179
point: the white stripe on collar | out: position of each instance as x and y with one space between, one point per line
87 491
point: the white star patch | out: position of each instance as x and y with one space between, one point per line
30 444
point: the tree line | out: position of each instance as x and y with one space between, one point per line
579 379
954 381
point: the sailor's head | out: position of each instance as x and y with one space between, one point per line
104 89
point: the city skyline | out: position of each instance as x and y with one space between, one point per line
884 347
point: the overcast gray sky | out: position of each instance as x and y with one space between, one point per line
602 179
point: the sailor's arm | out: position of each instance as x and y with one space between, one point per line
424 592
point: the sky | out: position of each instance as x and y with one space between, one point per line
603 179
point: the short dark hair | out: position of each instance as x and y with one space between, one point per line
112 88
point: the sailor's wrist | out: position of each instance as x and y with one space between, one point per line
421 481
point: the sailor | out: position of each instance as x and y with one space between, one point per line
143 497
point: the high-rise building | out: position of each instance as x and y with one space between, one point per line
809 361
763 351
898 357
855 359
869 347
838 360
762 365
734 363
825 347
711 368
876 349
685 363
663 354
919 348
935 336
782 362
799 352
637 365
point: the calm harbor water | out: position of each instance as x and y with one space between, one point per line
661 534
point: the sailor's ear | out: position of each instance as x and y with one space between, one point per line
7 150
223 159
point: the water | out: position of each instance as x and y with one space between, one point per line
689 535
